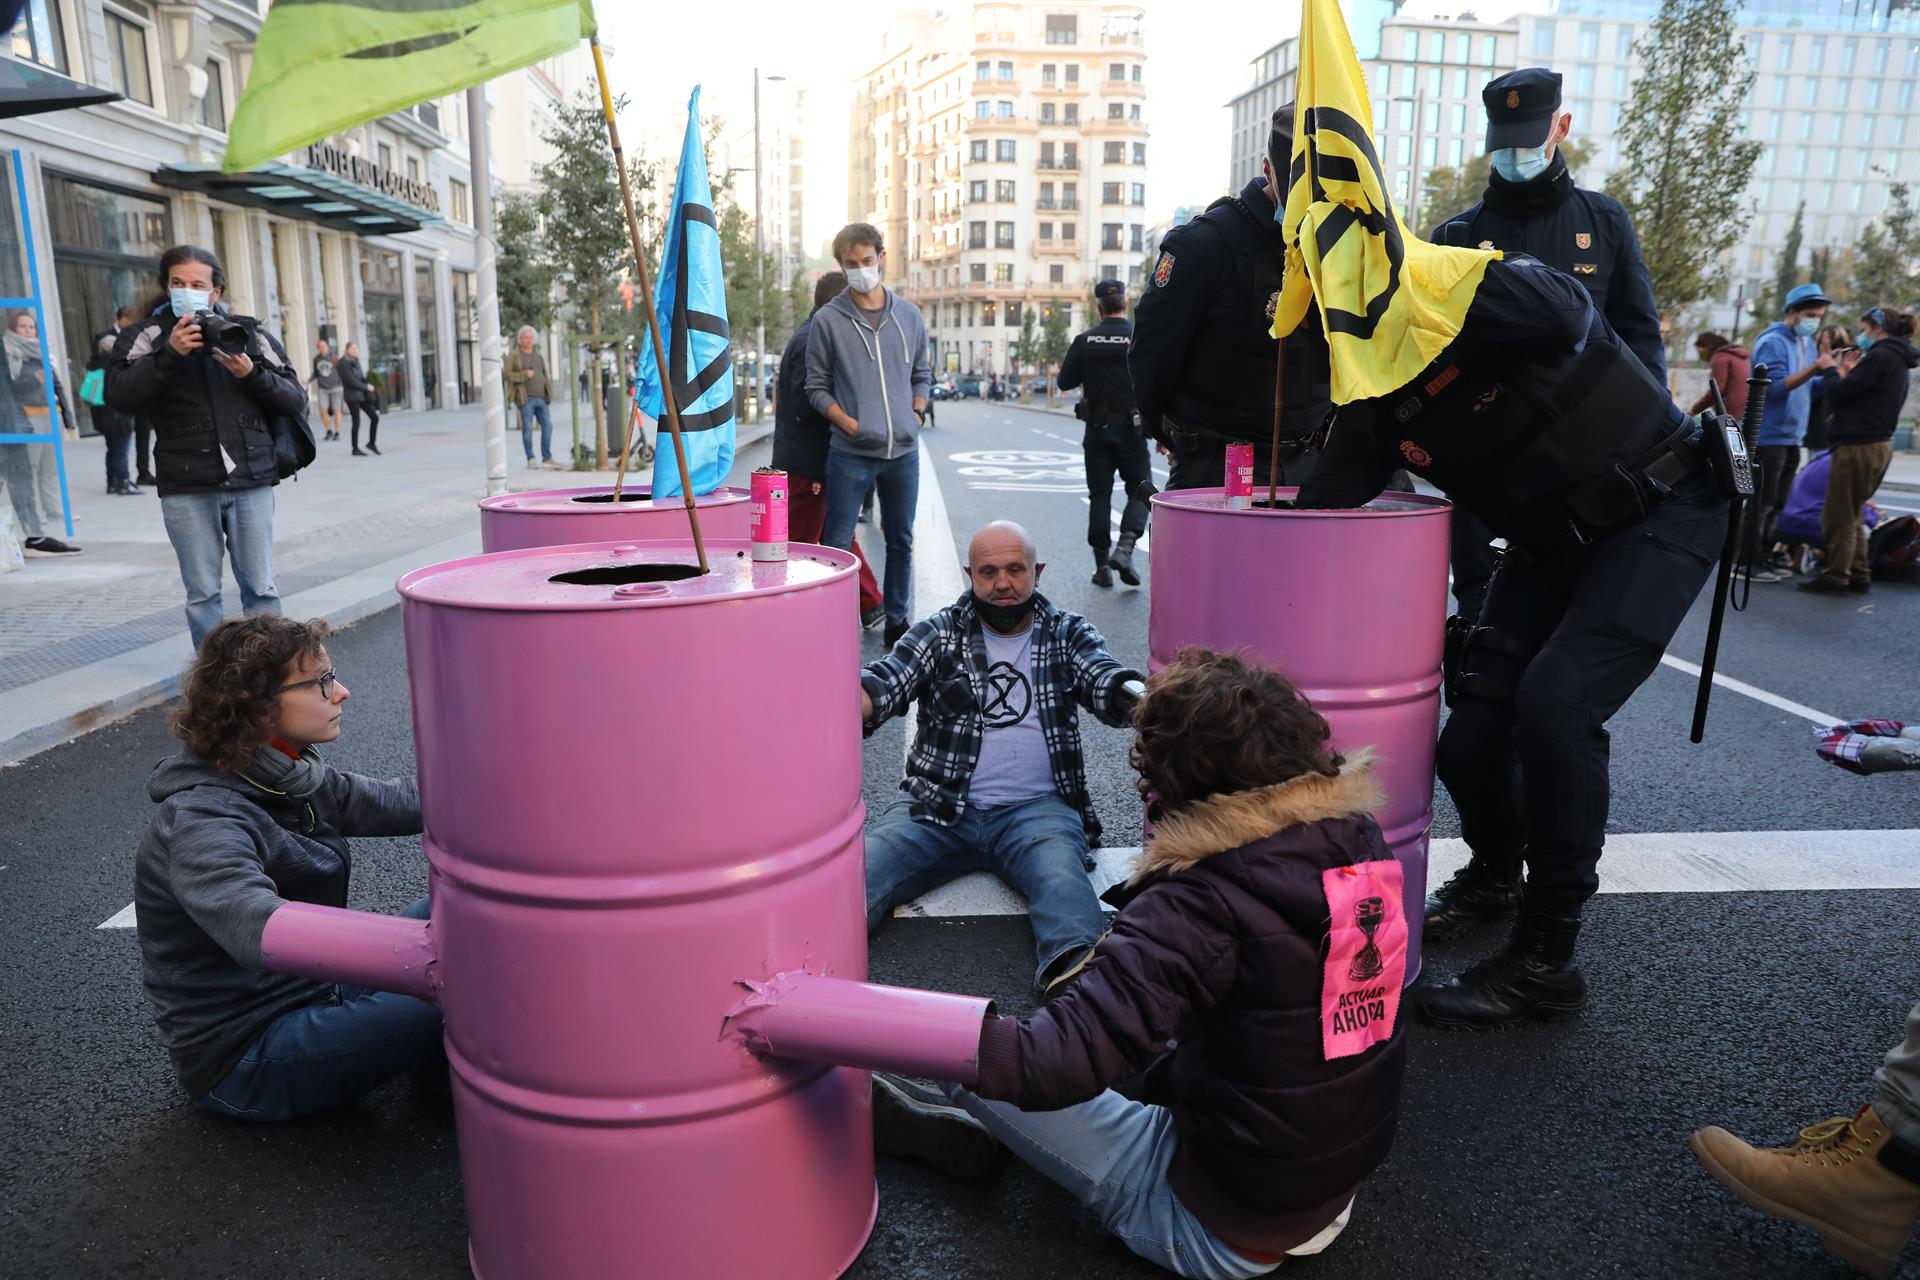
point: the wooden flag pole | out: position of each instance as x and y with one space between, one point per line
653 318
1273 462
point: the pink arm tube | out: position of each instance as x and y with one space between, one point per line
861 1024
387 953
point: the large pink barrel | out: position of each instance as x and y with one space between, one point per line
642 790
1351 605
562 517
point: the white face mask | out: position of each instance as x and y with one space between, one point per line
863 279
188 302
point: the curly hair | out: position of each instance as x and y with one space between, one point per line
1215 723
233 686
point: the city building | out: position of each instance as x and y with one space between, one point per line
367 236
1002 150
782 196
1832 103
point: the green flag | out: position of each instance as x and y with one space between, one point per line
321 66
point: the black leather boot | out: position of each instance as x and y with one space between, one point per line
1122 560
1102 576
1531 980
1485 891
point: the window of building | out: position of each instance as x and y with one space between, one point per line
1410 45
1429 151
1048 73
462 203
1110 233
413 169
1880 49
1817 54
466 332
1073 73
1900 125
1405 145
1047 112
1108 271
983 71
983 110
1004 149
1832 162
1543 38
977 149
1463 49
1069 230
1046 195
1063 28
1873 95
1056 274
1003 190
1589 40
1431 117
1116 71
1623 42
989 314
976 235
1073 113
1583 78
1135 234
1003 70
1139 153
1133 111
41 36
977 191
1867 126
1784 56
1003 109
1779 91
1460 83
1114 153
1116 111
384 151
127 56
1003 235
1436 46
1136 73
1137 193
1435 75
1489 50
1404 110
1070 193
1003 274
1459 117
1456 152
1849 50
213 106
1110 192
1046 156
1046 233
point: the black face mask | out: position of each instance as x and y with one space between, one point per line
1003 617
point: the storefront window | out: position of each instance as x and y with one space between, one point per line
466 332
386 325
429 334
106 245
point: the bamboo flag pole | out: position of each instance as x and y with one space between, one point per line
653 318
1273 462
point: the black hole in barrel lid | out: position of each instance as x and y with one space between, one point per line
620 575
1278 504
629 496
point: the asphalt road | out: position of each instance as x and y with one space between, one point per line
1548 1151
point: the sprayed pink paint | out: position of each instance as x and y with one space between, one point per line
558 517
807 1017
1351 605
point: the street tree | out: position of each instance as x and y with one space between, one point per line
1685 166
1820 267
1026 348
1787 274
1054 341
1888 255
526 278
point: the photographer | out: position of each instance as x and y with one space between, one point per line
1113 441
212 384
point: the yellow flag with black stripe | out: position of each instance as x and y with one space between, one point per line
321 66
1388 300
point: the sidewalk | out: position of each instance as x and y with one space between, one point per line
89 639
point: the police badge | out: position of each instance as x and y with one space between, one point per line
1513 99
1164 271
1583 239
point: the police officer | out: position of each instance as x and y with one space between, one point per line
1537 419
1202 360
1097 360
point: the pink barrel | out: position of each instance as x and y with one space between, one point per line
1351 605
636 802
562 517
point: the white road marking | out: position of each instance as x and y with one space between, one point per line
1658 862
1821 718
121 919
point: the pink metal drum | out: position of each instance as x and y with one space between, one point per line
562 517
1351 605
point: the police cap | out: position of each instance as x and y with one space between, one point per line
1520 107
1109 289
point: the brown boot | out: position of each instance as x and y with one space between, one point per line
1835 1180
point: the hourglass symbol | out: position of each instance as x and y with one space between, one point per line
1367 913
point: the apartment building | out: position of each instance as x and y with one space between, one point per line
781 161
1002 149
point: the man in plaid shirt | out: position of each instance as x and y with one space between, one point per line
995 781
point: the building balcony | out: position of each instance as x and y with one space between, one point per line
1057 206
1122 40
1123 89
1056 248
992 86
1062 89
1069 165
1108 125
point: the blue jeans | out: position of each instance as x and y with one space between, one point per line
1111 1154
898 482
536 407
324 1056
203 526
1038 848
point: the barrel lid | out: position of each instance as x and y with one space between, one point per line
598 500
1214 501
620 575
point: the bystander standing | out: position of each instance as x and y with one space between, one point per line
115 428
1793 361
360 395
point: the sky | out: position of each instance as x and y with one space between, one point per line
1199 55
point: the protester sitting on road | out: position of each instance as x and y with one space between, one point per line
1799 523
996 781
359 395
1219 950
213 411
251 818
1728 367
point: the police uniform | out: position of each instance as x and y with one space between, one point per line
1538 420
1202 358
1097 361
1582 233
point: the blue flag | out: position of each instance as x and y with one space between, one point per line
691 299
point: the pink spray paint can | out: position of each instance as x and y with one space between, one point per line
1240 476
769 504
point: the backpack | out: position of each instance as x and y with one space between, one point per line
1893 549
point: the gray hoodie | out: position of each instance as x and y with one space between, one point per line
873 372
220 856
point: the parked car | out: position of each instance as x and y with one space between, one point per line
1038 385
946 390
970 387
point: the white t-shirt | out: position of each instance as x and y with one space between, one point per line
1014 767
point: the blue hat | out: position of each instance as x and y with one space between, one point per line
1804 295
1520 107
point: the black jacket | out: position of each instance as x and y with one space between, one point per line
1098 360
1219 949
1583 233
200 411
1202 353
353 380
1868 400
801 433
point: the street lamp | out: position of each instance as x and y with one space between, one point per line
759 268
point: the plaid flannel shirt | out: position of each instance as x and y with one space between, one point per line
942 661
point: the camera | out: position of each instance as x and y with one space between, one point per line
225 333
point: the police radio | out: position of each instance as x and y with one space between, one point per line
1730 448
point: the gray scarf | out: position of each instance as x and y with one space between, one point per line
273 770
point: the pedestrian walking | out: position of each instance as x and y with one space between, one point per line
1794 364
332 399
868 375
43 399
1112 440
1867 392
359 395
1729 365
213 411
530 390
115 428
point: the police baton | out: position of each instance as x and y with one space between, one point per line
1738 473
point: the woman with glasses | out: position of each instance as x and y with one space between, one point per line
251 817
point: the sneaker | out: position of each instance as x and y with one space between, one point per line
359 453
1782 561
1770 575
1839 1179
920 1124
145 479
551 465
373 448
50 547
872 618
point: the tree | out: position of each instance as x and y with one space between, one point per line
1686 172
526 279
1889 250
1054 341
1787 275
1026 348
1820 266
1445 192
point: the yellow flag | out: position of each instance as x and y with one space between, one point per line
1389 301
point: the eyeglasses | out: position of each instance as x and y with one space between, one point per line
325 681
